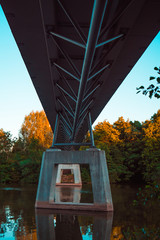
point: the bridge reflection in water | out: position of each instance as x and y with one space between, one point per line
66 225
58 224
68 194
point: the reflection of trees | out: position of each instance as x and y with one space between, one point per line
134 232
17 211
11 223
117 233
86 224
15 225
144 233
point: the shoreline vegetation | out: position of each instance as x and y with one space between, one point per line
132 150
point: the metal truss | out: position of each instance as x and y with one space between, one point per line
77 89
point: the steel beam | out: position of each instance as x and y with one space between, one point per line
99 8
65 107
65 92
81 121
68 40
65 128
90 129
101 70
55 131
73 144
85 108
67 124
92 92
68 103
64 70
107 27
65 80
74 23
67 57
109 40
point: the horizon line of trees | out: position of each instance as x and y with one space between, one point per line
132 149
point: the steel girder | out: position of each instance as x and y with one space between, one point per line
78 53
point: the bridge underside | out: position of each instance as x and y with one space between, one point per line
78 53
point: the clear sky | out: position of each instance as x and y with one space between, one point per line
18 96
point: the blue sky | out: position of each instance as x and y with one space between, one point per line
18 96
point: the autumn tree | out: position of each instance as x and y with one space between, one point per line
125 129
104 133
36 126
107 139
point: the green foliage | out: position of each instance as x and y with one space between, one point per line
22 164
85 175
152 89
29 160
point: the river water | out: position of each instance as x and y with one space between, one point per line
20 220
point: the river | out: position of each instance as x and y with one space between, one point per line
20 220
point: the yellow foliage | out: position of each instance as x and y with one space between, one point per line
127 131
36 126
116 233
151 130
105 133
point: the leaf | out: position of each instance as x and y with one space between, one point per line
150 87
157 95
145 92
155 68
156 89
151 78
138 92
151 94
158 79
141 87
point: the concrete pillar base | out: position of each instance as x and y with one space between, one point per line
102 199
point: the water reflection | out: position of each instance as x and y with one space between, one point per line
17 213
68 194
66 225
17 218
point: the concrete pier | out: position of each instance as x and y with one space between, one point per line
102 199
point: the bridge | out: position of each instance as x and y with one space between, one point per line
77 54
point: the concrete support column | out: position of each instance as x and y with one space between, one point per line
99 176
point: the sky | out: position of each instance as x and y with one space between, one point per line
18 96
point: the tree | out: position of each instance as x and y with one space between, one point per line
151 150
5 141
36 126
152 89
130 147
127 130
107 139
5 151
104 133
5 144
